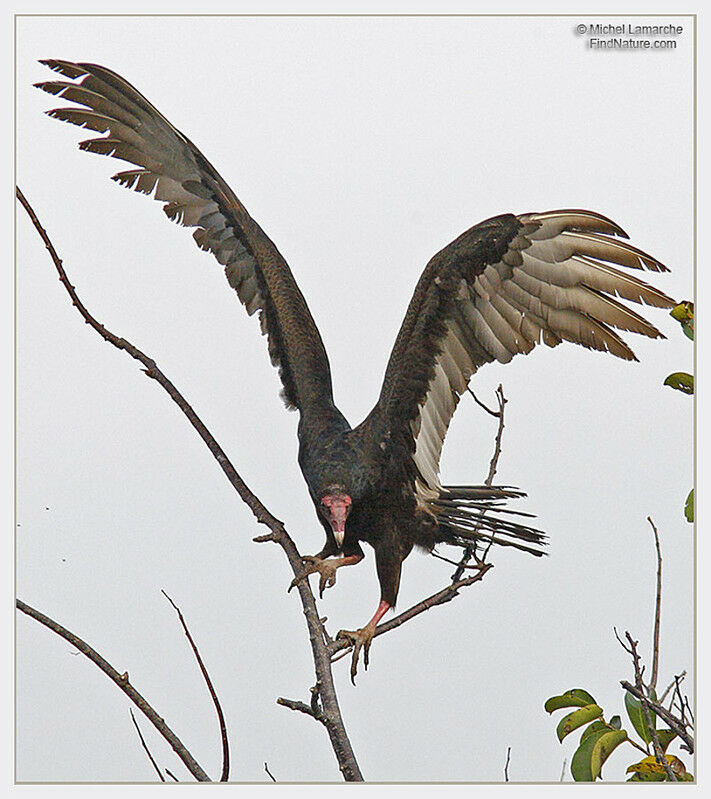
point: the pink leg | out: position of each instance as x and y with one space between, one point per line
361 639
383 608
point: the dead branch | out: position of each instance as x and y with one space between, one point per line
327 710
493 464
322 662
225 775
302 707
657 608
145 746
271 776
644 699
674 683
123 683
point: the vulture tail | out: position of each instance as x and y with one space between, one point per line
469 515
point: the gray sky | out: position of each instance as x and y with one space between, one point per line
362 146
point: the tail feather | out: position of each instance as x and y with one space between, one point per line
470 514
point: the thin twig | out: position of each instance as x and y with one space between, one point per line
646 711
302 707
271 776
456 563
220 715
657 609
493 464
506 766
145 746
336 729
671 685
682 701
171 775
481 404
123 683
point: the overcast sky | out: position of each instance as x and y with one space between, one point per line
362 146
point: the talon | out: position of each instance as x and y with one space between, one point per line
326 569
359 639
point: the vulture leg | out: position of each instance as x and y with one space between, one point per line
361 639
389 555
326 568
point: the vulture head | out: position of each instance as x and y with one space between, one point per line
334 506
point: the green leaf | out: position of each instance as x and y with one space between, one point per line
580 765
665 738
689 507
681 381
636 714
591 729
684 314
577 718
616 722
575 697
605 745
647 770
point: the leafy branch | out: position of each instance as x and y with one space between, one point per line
601 738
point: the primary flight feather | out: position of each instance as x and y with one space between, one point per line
497 290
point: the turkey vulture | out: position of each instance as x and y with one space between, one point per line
497 290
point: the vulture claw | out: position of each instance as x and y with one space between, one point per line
359 640
325 568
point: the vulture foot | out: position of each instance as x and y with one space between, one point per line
359 639
326 568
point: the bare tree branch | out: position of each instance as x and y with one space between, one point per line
145 746
481 404
271 776
673 684
657 609
493 464
220 715
652 727
123 683
324 705
506 766
302 707
501 399
681 701
322 662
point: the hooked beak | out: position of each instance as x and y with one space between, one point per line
336 508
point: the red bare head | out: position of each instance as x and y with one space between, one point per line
335 507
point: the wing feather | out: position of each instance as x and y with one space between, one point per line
175 172
496 291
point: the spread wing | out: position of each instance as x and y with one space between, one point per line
171 168
496 291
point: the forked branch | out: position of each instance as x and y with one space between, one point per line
336 729
324 702
122 680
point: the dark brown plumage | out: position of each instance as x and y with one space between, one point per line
495 291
